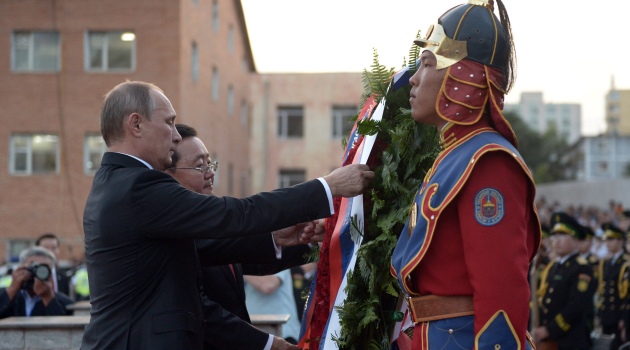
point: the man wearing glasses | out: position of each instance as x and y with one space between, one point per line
223 285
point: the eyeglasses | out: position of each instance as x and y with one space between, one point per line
212 166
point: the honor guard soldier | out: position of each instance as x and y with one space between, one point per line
566 291
584 247
613 284
462 257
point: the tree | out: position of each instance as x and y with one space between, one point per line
548 156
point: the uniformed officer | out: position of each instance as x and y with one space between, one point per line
462 257
566 291
584 247
613 286
625 336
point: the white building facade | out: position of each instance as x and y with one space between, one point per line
540 116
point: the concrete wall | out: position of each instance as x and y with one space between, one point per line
592 193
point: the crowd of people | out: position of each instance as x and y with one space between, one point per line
580 277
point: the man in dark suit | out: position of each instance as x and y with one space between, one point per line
140 226
224 284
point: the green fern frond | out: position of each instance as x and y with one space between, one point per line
372 293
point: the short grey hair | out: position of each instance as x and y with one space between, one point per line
121 101
37 251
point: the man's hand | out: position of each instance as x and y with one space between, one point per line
294 235
540 334
281 344
350 180
320 231
18 277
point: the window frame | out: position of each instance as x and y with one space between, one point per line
105 52
337 120
283 113
31 51
230 100
29 155
215 16
215 83
194 62
87 152
289 177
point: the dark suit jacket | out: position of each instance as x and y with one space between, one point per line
227 288
140 226
17 306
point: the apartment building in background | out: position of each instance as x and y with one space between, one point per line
59 58
565 118
617 111
298 123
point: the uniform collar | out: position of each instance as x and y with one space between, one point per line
450 132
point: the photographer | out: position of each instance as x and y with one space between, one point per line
32 292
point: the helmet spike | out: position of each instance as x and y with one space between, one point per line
485 3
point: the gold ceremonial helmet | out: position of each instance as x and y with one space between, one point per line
462 22
446 50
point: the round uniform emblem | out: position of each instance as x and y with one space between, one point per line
489 208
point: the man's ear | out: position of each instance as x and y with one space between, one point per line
133 124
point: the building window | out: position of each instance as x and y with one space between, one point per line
16 246
342 120
288 178
231 39
290 122
230 179
215 15
217 174
230 100
244 177
110 51
244 112
194 64
614 95
34 154
93 149
215 84
35 51
244 64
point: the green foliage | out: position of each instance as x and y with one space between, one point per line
372 293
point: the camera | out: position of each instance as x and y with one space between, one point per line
39 271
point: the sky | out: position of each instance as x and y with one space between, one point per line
568 50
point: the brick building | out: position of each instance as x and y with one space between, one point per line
57 60
59 57
298 123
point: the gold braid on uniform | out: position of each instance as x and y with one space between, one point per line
623 282
543 282
601 287
409 332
